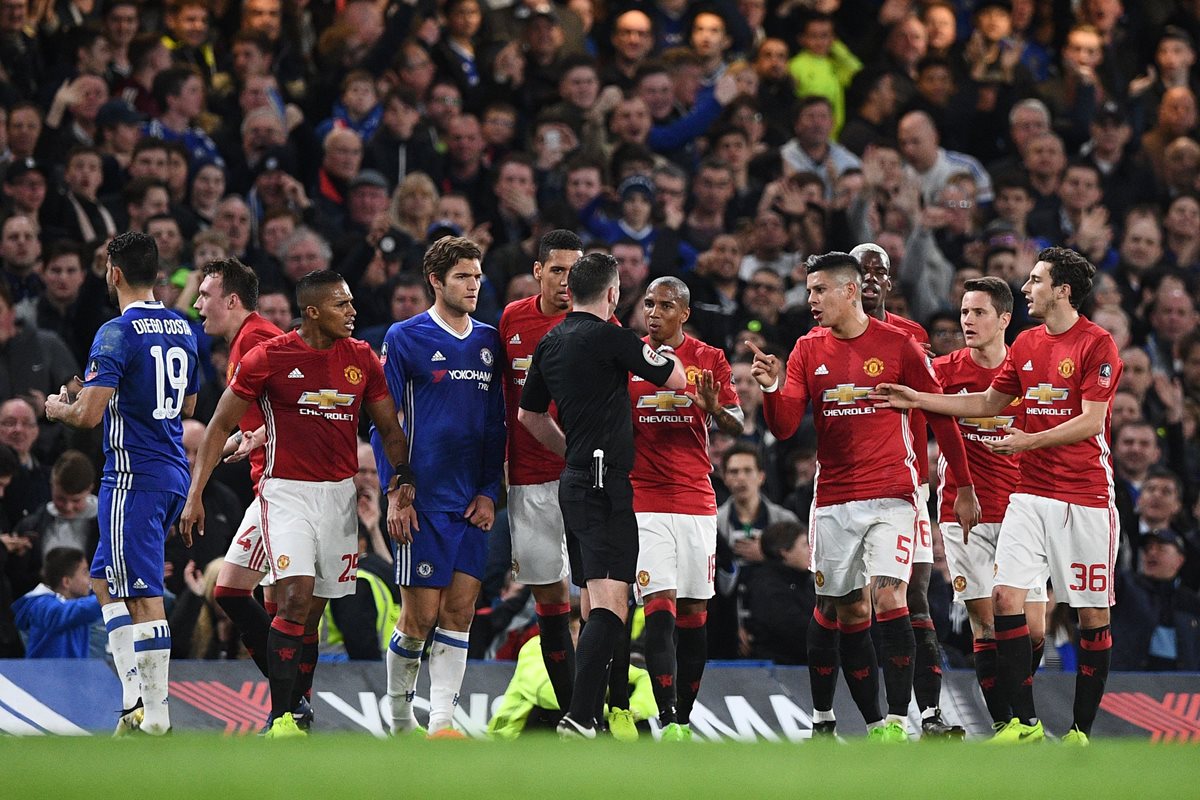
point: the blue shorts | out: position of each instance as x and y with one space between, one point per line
133 534
446 543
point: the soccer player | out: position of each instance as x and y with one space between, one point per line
441 366
539 541
927 669
986 311
1061 521
226 300
675 504
864 520
141 376
310 385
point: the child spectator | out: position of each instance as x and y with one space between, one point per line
824 66
359 108
55 616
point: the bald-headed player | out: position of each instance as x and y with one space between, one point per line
674 502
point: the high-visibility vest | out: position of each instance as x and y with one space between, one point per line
387 612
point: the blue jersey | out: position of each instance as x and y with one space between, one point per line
449 389
148 354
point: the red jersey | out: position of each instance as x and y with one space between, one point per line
1054 375
864 451
996 475
920 432
670 436
310 400
254 331
522 326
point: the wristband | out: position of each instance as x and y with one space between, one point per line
404 475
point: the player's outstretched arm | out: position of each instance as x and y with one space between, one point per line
229 411
85 411
1088 424
545 430
976 404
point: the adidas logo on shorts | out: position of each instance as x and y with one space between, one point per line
296 373
139 584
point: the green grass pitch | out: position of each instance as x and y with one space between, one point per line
336 766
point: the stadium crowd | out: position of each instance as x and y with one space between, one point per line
720 142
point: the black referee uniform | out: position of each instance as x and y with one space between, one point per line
583 365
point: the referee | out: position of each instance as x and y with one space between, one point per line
583 366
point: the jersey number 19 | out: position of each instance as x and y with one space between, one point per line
170 372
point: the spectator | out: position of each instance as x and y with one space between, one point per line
813 149
55 616
1156 621
33 362
74 303
824 66
780 593
933 165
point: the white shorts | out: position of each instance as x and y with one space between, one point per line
676 551
539 538
923 551
311 528
973 565
860 539
247 549
1074 546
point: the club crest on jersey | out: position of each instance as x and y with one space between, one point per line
693 374
283 562
1066 367
873 367
1045 393
353 374
819 579
664 400
643 578
424 569
485 356
960 583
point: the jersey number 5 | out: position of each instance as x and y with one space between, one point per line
170 380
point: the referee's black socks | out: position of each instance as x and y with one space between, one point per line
596 643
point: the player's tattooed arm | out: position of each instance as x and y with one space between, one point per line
84 410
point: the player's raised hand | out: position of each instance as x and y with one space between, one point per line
481 512
765 369
967 510
705 396
893 395
191 519
402 523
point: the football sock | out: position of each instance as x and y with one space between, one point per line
660 655
691 654
152 646
595 650
861 669
618 674
1095 653
119 625
1014 652
823 657
271 607
558 653
447 665
285 640
898 646
927 667
306 668
1023 702
985 673
403 667
250 619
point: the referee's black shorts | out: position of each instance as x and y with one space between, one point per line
602 532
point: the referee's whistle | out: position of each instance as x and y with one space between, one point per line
597 469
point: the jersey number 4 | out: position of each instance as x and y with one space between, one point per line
170 380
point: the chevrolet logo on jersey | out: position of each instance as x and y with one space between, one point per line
663 401
326 399
1045 394
846 394
986 423
522 364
